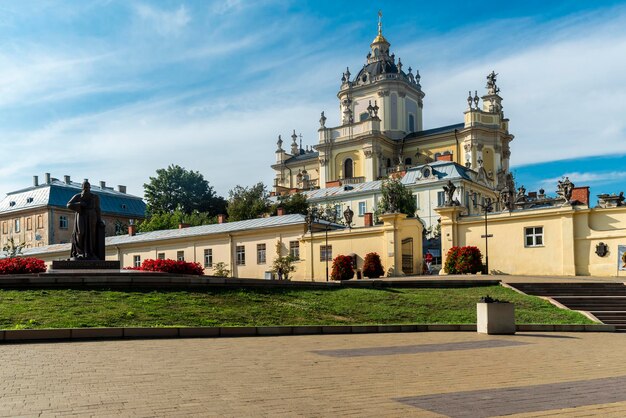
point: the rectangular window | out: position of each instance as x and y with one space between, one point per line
338 213
441 199
417 201
161 256
29 224
180 255
4 228
326 252
260 253
362 208
208 257
17 225
137 260
39 222
533 236
294 249
241 255
63 222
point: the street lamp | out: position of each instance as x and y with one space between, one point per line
314 215
487 207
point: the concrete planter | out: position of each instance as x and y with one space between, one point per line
495 318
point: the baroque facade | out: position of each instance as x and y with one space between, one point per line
381 135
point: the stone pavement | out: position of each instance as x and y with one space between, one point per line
461 374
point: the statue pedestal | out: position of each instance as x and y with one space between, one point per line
85 265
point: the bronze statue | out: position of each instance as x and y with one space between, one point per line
88 235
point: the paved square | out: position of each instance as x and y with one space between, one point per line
556 374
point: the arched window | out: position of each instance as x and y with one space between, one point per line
347 169
408 161
363 116
411 123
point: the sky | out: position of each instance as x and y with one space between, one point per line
113 90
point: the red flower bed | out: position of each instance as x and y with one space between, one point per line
342 268
22 265
372 266
462 260
170 266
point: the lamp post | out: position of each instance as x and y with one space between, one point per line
487 207
315 215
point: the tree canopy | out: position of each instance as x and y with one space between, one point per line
171 220
292 203
397 198
247 202
175 188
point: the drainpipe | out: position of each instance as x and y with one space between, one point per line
458 152
233 267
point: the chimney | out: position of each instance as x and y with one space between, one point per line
280 211
532 195
103 185
369 219
47 178
35 181
183 225
67 179
221 218
121 189
132 228
581 195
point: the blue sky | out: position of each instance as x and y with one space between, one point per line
113 90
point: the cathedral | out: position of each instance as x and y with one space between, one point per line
381 135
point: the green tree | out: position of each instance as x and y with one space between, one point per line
13 249
283 266
248 202
292 203
396 198
167 220
186 190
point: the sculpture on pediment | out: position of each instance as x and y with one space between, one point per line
449 189
565 189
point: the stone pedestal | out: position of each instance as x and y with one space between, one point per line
86 265
495 318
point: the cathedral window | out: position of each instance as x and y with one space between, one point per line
408 161
388 162
348 171
411 123
363 116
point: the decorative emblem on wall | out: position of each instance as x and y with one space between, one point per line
602 249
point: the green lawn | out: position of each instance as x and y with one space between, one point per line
61 308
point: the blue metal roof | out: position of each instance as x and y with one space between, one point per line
303 157
58 193
434 131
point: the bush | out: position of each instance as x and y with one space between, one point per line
22 265
342 268
170 266
463 260
372 267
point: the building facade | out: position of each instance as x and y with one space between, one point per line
248 248
37 216
561 236
381 135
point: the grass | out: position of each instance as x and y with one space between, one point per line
64 308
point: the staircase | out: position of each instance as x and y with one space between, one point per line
605 301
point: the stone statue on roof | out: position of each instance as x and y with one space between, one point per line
565 189
450 188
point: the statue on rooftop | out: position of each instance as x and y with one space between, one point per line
565 189
88 235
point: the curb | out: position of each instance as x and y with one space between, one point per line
77 334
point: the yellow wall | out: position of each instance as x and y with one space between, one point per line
384 239
570 237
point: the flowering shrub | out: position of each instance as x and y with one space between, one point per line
22 265
372 267
462 260
170 266
342 268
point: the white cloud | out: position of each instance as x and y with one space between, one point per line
586 178
164 22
